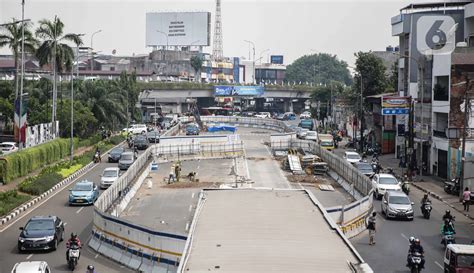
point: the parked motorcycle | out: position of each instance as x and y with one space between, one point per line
415 262
452 186
74 253
426 209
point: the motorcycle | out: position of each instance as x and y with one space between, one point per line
448 238
96 157
406 187
74 253
452 187
426 209
415 262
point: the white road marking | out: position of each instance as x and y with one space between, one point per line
29 256
187 226
192 195
96 255
65 223
190 207
42 202
404 236
442 267
198 166
79 210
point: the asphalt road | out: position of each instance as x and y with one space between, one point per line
77 219
390 252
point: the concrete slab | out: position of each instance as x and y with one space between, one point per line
265 231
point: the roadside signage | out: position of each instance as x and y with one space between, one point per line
238 90
395 105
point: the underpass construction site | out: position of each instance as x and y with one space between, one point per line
237 207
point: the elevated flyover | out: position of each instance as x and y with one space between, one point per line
266 230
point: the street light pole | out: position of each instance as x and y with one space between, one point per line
72 99
253 47
22 72
92 52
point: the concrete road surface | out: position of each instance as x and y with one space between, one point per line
77 219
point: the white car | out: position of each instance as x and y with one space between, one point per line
305 115
136 129
31 267
109 176
301 133
384 182
352 157
263 115
312 135
8 147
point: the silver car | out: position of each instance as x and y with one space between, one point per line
396 204
126 160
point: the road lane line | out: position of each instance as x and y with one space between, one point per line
29 256
96 255
79 210
39 204
187 226
192 195
442 267
404 236
190 207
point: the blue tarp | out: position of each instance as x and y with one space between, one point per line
218 128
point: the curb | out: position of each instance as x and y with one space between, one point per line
22 208
436 196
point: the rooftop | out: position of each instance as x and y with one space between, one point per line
436 5
263 230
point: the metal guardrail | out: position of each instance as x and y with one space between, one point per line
259 122
199 149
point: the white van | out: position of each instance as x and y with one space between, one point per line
136 129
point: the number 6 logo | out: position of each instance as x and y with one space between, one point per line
435 34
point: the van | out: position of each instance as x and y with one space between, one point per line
307 124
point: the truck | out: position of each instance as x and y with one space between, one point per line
326 141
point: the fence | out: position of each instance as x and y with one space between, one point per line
197 149
133 245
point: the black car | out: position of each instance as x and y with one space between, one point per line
41 233
153 136
141 142
114 155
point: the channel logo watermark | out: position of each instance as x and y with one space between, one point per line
436 34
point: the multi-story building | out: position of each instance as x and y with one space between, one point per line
429 81
270 73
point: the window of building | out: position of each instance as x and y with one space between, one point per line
441 88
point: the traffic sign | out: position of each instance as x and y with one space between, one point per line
395 111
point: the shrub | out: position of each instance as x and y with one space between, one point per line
10 200
39 184
70 170
25 161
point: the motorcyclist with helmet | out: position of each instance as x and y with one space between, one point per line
73 240
416 247
424 200
90 269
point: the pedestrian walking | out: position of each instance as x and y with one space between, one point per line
371 228
171 176
466 198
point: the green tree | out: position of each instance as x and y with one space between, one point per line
85 124
11 36
127 85
54 49
319 68
326 96
196 63
374 80
106 100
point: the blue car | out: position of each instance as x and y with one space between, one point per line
83 193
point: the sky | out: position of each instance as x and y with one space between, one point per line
292 28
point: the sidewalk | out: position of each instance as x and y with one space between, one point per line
427 183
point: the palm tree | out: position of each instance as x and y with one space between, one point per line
10 35
53 50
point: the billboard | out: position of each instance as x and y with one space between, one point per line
395 105
178 28
276 59
230 90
